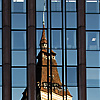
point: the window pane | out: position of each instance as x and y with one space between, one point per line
19 77
71 76
92 7
0 56
19 58
38 37
40 5
58 56
39 19
0 5
18 6
93 77
70 5
93 59
71 20
0 38
18 40
56 39
0 75
72 57
0 93
74 93
71 39
18 21
92 21
55 5
57 75
93 93
17 93
92 41
0 20
56 19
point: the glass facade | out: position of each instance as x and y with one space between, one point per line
57 54
18 48
60 19
92 49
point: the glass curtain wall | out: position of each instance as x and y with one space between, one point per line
71 48
93 49
18 48
60 18
0 49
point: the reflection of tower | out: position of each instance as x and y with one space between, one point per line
42 84
42 93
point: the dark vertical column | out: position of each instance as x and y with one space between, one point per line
6 51
81 50
31 51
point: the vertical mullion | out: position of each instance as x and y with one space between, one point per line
47 51
31 50
6 66
81 49
62 50
65 52
50 55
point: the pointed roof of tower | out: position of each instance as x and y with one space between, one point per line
43 38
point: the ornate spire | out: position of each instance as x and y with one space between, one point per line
43 38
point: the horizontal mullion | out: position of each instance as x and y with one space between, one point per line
19 67
19 87
18 29
18 49
18 12
92 87
92 67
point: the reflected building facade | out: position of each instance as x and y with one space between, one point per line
42 68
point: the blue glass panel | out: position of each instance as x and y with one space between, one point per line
92 6
0 93
72 57
71 76
17 93
74 92
58 56
55 5
71 20
93 93
0 56
0 38
70 5
56 19
93 77
0 75
18 5
56 39
18 40
0 19
0 5
92 41
39 19
92 22
19 77
19 58
18 21
40 5
71 39
93 59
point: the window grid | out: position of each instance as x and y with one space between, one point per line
18 48
92 49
